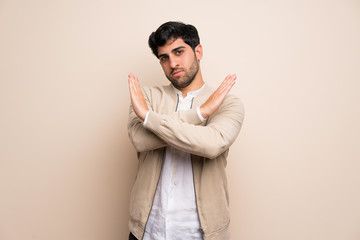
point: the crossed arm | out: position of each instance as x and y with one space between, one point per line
183 129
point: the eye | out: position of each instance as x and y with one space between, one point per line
164 59
178 52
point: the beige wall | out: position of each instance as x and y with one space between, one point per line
67 165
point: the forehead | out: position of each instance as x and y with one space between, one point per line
172 44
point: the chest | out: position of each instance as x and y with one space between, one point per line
170 103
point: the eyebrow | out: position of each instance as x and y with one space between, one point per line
174 50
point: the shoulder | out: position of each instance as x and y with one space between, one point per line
230 98
234 102
157 91
232 108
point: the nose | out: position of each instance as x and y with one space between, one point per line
173 62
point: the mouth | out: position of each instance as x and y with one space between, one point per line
176 73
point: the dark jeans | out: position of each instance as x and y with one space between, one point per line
132 237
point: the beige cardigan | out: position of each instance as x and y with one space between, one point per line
208 142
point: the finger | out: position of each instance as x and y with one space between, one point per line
229 87
134 83
136 80
132 87
137 85
131 76
228 81
136 92
231 79
228 77
223 83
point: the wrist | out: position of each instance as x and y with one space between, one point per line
143 114
146 118
202 118
203 112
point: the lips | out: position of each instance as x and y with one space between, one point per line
177 72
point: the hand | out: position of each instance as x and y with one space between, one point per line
137 98
215 100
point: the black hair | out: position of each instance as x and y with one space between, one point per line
173 30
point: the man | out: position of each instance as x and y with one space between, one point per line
182 133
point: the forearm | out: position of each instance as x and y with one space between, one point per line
142 139
208 141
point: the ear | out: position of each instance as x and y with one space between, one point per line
198 52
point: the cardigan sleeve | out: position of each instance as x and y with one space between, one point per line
141 138
208 140
144 139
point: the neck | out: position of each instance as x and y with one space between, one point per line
196 84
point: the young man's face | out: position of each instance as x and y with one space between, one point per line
179 62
